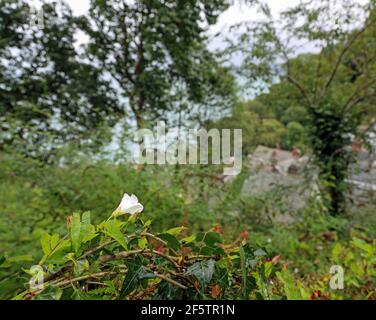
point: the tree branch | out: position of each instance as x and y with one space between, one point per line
341 55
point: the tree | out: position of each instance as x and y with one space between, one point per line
155 55
48 96
295 114
295 135
271 132
335 84
258 125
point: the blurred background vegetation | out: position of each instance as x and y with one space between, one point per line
68 110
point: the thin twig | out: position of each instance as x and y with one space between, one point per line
175 283
126 254
97 248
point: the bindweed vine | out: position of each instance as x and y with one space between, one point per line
121 258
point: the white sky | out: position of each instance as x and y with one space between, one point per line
235 14
238 12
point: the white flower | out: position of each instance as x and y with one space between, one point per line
130 204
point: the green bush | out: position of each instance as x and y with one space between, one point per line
250 255
121 259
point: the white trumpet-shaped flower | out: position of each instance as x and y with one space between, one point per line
129 204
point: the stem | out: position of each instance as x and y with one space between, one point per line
175 283
126 254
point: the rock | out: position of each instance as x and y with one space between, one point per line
293 180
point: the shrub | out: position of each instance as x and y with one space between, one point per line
122 259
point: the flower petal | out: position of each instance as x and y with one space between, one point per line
137 208
133 199
124 204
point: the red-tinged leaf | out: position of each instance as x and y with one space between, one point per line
244 234
275 260
218 229
215 291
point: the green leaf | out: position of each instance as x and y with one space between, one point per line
212 238
81 230
142 243
76 231
49 243
50 293
244 272
361 244
188 239
90 234
176 231
85 225
80 266
336 252
135 272
260 253
147 224
268 269
172 242
202 270
2 259
26 257
113 229
59 254
291 289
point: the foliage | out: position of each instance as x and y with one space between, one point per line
48 96
156 55
53 91
258 124
121 259
295 136
335 85
246 254
200 235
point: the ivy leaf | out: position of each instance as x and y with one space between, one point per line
147 224
172 242
212 238
260 253
80 266
167 291
135 272
50 293
202 270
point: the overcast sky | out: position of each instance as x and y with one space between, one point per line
236 13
